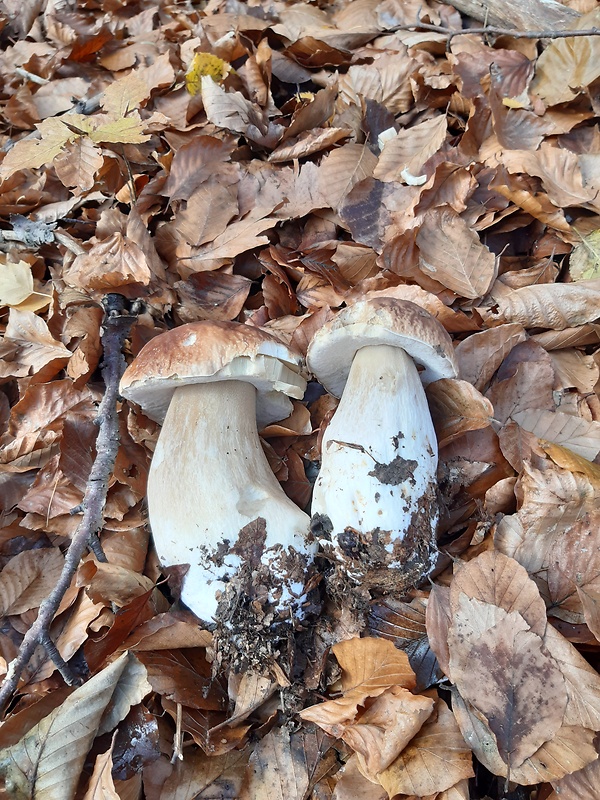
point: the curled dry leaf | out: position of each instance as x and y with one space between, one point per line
369 667
456 407
386 727
480 355
435 760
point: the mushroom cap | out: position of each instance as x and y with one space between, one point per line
207 351
376 321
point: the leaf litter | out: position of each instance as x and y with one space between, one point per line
267 164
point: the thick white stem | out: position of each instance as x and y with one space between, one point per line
208 479
378 468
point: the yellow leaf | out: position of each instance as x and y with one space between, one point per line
584 262
127 130
16 283
205 64
34 153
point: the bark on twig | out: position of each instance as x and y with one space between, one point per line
522 16
450 33
116 327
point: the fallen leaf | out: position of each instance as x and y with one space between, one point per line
457 407
435 760
451 253
403 156
480 354
47 762
28 578
576 434
101 785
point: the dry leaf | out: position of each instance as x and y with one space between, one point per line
369 667
101 785
47 762
403 157
574 433
28 578
480 354
451 253
343 169
457 407
435 760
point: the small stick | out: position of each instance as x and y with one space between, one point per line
115 330
450 33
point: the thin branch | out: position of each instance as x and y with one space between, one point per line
450 33
116 327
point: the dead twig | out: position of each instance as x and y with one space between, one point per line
116 327
490 30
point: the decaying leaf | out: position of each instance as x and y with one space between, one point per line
47 762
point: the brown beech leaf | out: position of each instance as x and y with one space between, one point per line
342 169
402 157
568 460
108 264
222 775
183 676
480 354
168 631
111 583
383 731
438 618
101 785
78 163
451 253
351 784
495 579
27 579
579 435
517 686
212 295
582 682
239 236
571 748
286 766
36 347
386 80
580 785
553 305
435 760
574 564
369 667
207 213
457 407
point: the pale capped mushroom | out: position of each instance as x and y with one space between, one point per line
375 500
214 502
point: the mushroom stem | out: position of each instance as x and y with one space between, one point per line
377 483
208 479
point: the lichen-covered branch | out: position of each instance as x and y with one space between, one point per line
115 330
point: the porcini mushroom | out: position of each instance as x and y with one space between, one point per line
375 502
214 502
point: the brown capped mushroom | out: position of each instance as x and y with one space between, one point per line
375 496
214 502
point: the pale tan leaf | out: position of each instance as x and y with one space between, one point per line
495 579
251 691
16 282
231 110
480 354
568 65
575 433
386 80
369 667
509 678
457 407
438 619
351 784
403 157
28 578
584 261
574 369
124 95
574 564
589 597
554 305
77 164
342 169
571 749
47 762
435 760
582 682
386 727
207 213
37 347
112 583
101 785
451 253
34 153
307 143
580 785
